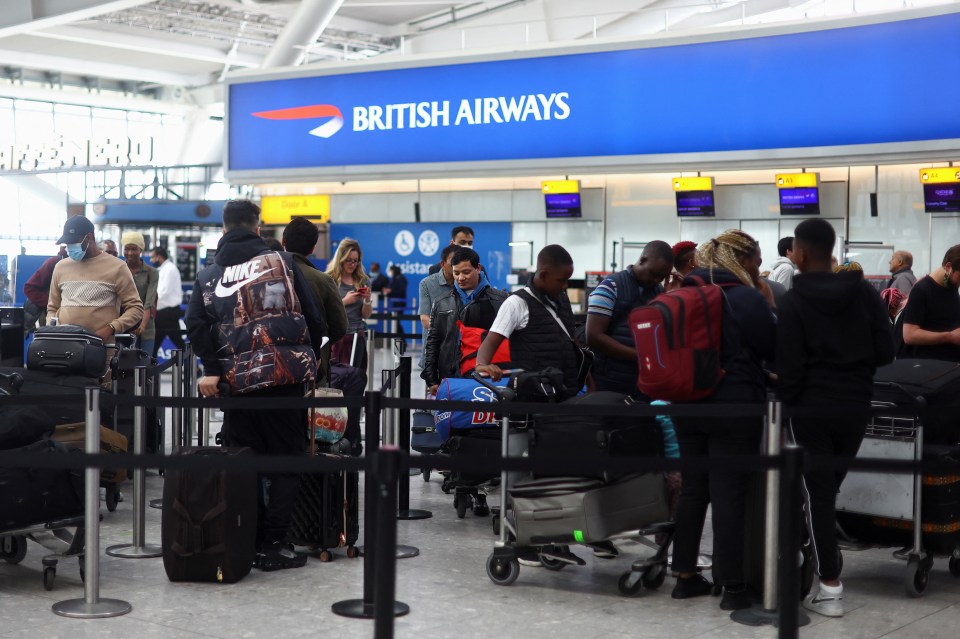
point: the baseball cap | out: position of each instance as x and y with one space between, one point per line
75 229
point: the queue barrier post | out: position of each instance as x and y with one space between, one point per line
371 357
91 606
403 442
389 461
192 392
390 436
176 413
791 618
138 549
364 608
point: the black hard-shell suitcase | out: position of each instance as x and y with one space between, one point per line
34 496
474 444
209 521
67 350
326 514
595 437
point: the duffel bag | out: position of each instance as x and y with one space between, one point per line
111 442
464 390
67 349
39 495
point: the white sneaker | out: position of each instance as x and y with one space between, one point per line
827 601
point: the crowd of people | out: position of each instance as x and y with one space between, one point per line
265 321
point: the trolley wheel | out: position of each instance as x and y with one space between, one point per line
954 566
495 520
426 475
501 571
13 549
461 503
653 577
481 510
352 552
552 564
111 497
630 583
915 579
325 556
49 575
83 571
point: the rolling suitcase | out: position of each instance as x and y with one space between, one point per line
67 350
934 383
326 513
209 521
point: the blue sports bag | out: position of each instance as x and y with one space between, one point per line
464 390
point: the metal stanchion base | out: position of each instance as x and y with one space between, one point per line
80 609
403 552
129 551
356 609
156 503
408 515
757 616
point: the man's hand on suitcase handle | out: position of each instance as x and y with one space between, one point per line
209 386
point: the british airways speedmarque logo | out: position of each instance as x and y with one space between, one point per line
312 112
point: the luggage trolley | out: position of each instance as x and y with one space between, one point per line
552 543
880 507
63 538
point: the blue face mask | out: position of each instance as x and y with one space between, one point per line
76 251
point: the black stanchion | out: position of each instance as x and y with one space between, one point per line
389 461
364 608
790 618
403 441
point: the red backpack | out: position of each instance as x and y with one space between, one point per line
470 340
678 337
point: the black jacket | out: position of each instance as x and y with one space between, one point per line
441 350
749 339
252 319
834 333
542 343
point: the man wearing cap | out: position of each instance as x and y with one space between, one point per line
146 279
90 287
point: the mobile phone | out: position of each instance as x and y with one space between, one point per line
362 290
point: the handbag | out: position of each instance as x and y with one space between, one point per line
326 424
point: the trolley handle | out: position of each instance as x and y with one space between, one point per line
504 393
918 400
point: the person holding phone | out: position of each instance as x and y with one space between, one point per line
346 269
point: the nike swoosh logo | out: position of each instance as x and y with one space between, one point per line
227 291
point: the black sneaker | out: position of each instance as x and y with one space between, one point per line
687 587
736 598
279 557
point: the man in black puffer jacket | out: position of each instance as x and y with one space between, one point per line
254 325
834 332
473 302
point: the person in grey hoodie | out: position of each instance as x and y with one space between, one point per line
783 268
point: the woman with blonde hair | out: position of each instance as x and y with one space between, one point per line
346 269
732 261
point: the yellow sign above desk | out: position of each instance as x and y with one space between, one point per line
280 209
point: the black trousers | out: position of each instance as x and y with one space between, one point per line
840 436
168 324
272 432
714 437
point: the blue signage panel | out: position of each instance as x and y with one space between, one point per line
867 84
416 247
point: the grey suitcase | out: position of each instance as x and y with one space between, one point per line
583 510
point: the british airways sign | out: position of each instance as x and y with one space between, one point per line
833 91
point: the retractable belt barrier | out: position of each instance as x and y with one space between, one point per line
386 465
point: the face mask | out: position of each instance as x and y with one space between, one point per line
76 251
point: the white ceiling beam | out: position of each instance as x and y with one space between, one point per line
24 16
153 46
78 66
304 27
